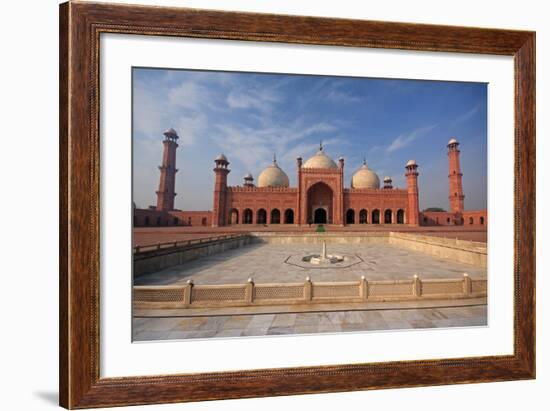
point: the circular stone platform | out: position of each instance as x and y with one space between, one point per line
299 260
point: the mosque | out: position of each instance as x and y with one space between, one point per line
320 196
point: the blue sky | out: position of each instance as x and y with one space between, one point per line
250 116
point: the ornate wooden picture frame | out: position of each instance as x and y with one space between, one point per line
81 25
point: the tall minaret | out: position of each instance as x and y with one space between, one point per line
299 218
412 190
219 211
456 195
167 184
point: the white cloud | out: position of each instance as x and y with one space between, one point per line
406 139
339 96
254 147
190 128
188 94
148 112
262 100
467 115
333 92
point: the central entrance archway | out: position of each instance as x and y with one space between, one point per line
319 204
320 216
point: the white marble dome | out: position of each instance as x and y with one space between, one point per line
320 160
273 176
365 178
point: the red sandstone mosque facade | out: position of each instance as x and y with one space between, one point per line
320 196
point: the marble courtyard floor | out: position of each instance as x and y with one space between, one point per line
265 263
268 263
406 316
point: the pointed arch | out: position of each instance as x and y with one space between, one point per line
375 219
401 216
234 216
350 216
289 216
247 216
261 216
363 216
275 217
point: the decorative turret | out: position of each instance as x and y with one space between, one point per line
167 183
388 183
248 180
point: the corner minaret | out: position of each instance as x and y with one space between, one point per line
456 195
412 190
167 184
219 211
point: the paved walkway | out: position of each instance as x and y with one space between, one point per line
265 263
168 328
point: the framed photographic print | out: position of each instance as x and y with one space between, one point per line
257 205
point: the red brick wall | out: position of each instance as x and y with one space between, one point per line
475 218
432 218
160 218
467 218
193 218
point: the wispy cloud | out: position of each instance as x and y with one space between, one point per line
254 99
189 94
406 139
339 96
251 116
254 146
467 115
337 92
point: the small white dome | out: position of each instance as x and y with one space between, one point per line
365 178
221 157
273 176
411 163
452 141
248 176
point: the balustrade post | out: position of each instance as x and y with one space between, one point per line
307 289
187 291
363 288
249 291
467 285
417 286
